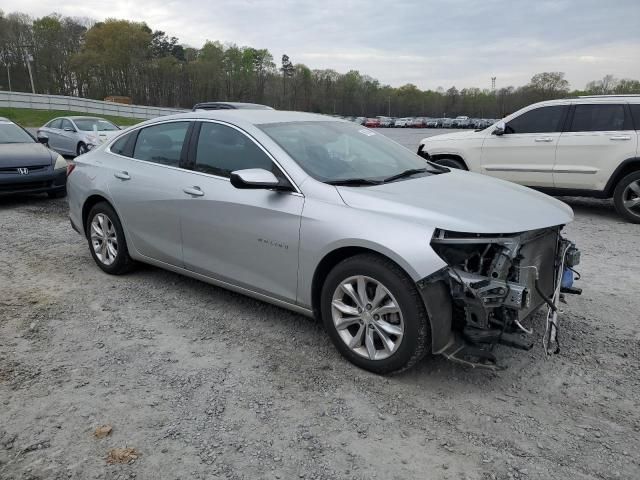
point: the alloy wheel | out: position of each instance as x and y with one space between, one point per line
367 317
104 239
631 197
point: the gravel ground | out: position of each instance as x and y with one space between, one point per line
208 384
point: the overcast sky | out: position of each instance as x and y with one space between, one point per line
428 43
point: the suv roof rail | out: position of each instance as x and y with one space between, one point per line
607 96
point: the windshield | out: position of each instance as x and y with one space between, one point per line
336 151
87 124
11 133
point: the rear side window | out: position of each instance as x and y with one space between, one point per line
539 120
635 113
161 143
598 118
55 123
222 150
120 145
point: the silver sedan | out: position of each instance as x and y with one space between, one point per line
397 256
76 135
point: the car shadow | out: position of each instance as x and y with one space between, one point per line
591 207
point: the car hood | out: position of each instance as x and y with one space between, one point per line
451 136
462 202
24 155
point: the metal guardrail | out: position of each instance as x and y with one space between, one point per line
77 104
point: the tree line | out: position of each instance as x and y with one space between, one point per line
81 57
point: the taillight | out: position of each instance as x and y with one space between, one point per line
70 167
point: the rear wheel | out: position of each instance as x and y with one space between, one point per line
374 314
626 197
107 244
451 163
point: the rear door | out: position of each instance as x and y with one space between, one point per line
146 186
526 153
599 137
52 130
248 238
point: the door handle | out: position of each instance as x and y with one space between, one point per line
620 137
195 191
544 139
122 175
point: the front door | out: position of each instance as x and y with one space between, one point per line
249 238
526 153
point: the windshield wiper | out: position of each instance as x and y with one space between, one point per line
354 182
406 173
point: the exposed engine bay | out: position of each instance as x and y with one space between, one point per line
496 283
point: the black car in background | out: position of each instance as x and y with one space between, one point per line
27 166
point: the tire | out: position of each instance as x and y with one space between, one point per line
116 264
82 149
58 193
412 321
451 163
626 197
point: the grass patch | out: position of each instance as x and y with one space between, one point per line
37 118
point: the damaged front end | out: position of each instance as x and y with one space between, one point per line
494 284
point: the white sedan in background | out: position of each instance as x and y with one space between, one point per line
76 135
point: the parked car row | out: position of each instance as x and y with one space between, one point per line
422 122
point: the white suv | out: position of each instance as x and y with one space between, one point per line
585 146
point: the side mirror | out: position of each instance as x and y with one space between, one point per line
43 139
256 178
499 129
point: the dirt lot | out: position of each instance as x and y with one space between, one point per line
207 384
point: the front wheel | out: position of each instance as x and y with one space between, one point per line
82 149
107 244
374 314
626 197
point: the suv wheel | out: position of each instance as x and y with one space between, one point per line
374 314
107 244
451 163
626 197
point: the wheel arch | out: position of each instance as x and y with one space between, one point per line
628 166
88 205
439 314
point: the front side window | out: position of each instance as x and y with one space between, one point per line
598 118
539 120
161 143
11 133
341 151
222 150
66 124
95 124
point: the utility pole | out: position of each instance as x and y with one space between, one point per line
493 83
9 77
29 60
389 106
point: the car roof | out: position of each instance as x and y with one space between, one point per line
230 106
254 117
3 119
